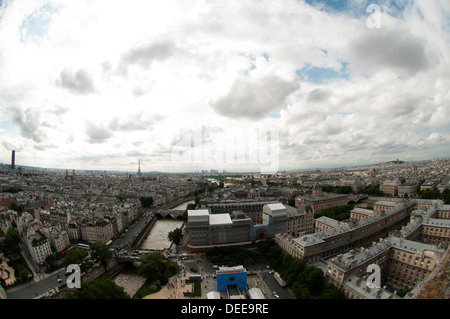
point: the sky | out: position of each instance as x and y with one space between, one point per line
246 85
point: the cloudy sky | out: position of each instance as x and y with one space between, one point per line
256 85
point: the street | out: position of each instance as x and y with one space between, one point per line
32 289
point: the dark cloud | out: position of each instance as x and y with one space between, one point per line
254 98
29 123
79 82
144 55
134 123
319 95
97 134
59 110
389 48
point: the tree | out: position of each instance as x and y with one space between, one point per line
175 236
12 240
152 267
101 288
16 207
146 201
76 256
100 251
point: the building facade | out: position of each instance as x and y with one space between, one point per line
38 245
345 236
403 264
320 201
207 229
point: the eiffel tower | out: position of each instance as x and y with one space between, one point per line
139 169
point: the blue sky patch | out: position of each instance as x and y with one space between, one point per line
321 75
37 24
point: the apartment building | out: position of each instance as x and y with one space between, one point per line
320 201
409 189
325 223
300 220
74 231
38 245
403 264
98 230
390 187
345 236
358 213
383 206
59 238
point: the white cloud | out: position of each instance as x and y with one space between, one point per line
91 84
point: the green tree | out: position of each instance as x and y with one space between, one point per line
16 207
101 252
76 256
175 236
152 267
146 201
291 202
101 288
446 196
331 292
12 241
190 206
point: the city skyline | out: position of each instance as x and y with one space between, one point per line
104 86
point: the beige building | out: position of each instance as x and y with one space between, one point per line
99 230
416 242
358 214
300 220
410 189
59 238
74 231
345 236
38 245
390 187
320 201
325 223
403 264
383 206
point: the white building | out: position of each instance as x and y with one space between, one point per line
59 238
38 245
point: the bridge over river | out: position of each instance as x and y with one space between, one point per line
169 213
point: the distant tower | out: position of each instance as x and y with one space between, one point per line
317 190
139 169
13 160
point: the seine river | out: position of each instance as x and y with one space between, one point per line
156 239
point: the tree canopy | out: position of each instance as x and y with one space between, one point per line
101 288
146 201
154 267
306 282
76 256
100 251
175 236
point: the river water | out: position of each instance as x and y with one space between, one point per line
157 237
183 206
129 280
